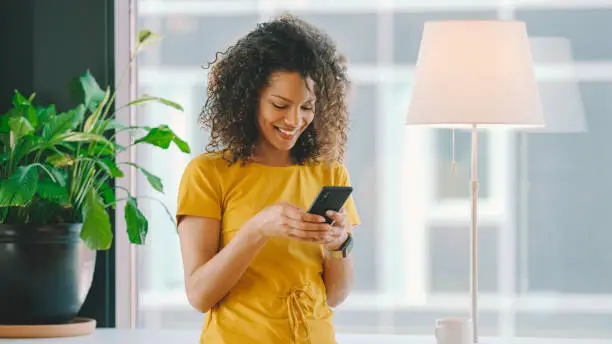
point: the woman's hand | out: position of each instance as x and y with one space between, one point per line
286 220
339 229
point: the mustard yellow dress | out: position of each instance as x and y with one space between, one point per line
281 296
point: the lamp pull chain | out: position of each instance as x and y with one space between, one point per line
453 162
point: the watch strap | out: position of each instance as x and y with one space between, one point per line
344 249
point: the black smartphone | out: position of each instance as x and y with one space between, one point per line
330 198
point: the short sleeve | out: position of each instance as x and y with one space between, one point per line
343 179
199 191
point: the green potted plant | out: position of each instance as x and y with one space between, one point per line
56 186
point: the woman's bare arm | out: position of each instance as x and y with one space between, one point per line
338 277
338 274
210 273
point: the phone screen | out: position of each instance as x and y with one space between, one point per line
330 198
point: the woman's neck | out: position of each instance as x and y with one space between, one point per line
267 155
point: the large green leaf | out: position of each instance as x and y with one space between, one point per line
92 93
20 127
20 187
182 145
136 223
54 192
162 136
96 231
63 123
154 180
45 114
148 98
29 112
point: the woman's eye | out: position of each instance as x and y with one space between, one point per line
278 106
307 108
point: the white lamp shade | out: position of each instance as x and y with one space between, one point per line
475 72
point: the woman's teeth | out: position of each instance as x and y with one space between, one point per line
288 132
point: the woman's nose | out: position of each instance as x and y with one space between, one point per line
293 117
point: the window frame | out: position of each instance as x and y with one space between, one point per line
498 209
126 289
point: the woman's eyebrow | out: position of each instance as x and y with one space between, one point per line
291 101
283 98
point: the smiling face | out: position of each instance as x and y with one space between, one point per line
286 108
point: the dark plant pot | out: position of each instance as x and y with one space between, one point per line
45 273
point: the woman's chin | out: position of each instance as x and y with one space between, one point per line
284 144
284 147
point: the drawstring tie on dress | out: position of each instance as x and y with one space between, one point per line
300 305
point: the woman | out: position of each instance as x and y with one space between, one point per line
263 269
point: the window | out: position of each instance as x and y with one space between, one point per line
544 199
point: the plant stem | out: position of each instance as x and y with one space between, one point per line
84 187
46 170
116 201
102 180
114 94
122 188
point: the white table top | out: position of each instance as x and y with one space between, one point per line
146 336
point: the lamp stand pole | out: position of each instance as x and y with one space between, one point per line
474 235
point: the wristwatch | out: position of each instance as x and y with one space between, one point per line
342 251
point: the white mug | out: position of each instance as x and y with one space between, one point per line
453 331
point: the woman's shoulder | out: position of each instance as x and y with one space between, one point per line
208 158
329 166
331 169
207 163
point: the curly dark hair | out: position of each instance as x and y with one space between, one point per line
238 75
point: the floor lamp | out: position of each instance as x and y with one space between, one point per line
474 74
